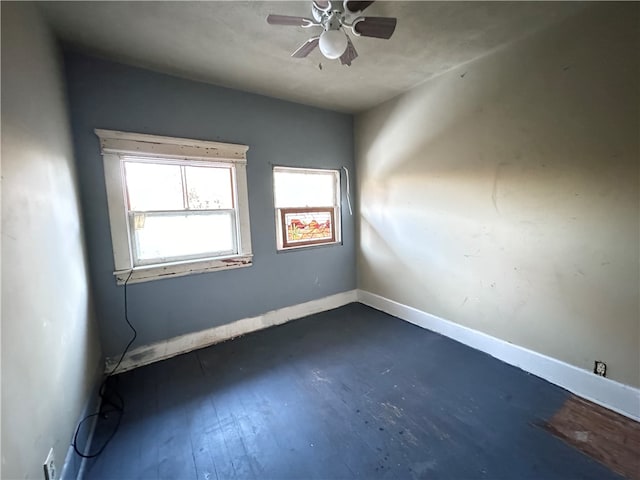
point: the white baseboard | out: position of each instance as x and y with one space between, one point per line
613 395
147 354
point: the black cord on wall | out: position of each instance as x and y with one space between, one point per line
110 399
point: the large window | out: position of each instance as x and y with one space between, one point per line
176 206
307 205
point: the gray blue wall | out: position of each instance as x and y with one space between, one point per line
108 95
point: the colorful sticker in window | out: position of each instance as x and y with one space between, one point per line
307 226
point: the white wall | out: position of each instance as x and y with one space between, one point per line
503 195
50 351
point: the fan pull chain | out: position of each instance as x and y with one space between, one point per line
348 193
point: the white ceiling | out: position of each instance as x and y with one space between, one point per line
230 43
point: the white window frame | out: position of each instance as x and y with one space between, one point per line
115 146
337 210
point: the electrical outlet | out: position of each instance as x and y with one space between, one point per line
600 368
50 471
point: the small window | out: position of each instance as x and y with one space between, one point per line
176 206
307 205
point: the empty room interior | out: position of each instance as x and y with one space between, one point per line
320 239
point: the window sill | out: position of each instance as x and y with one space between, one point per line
180 269
298 248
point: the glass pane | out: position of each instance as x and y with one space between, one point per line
303 227
304 188
209 188
153 186
175 236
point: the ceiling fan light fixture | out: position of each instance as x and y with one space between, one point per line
334 17
333 43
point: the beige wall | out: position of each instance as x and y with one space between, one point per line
504 194
50 352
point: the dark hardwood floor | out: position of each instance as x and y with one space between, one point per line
350 393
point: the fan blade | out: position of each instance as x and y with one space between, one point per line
306 48
288 20
349 54
354 6
378 27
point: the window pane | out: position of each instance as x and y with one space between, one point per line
179 235
153 186
304 188
209 188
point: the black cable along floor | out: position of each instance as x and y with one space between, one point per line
348 393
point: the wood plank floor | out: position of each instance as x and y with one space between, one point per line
607 436
350 393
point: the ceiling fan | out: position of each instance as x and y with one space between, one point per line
334 17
